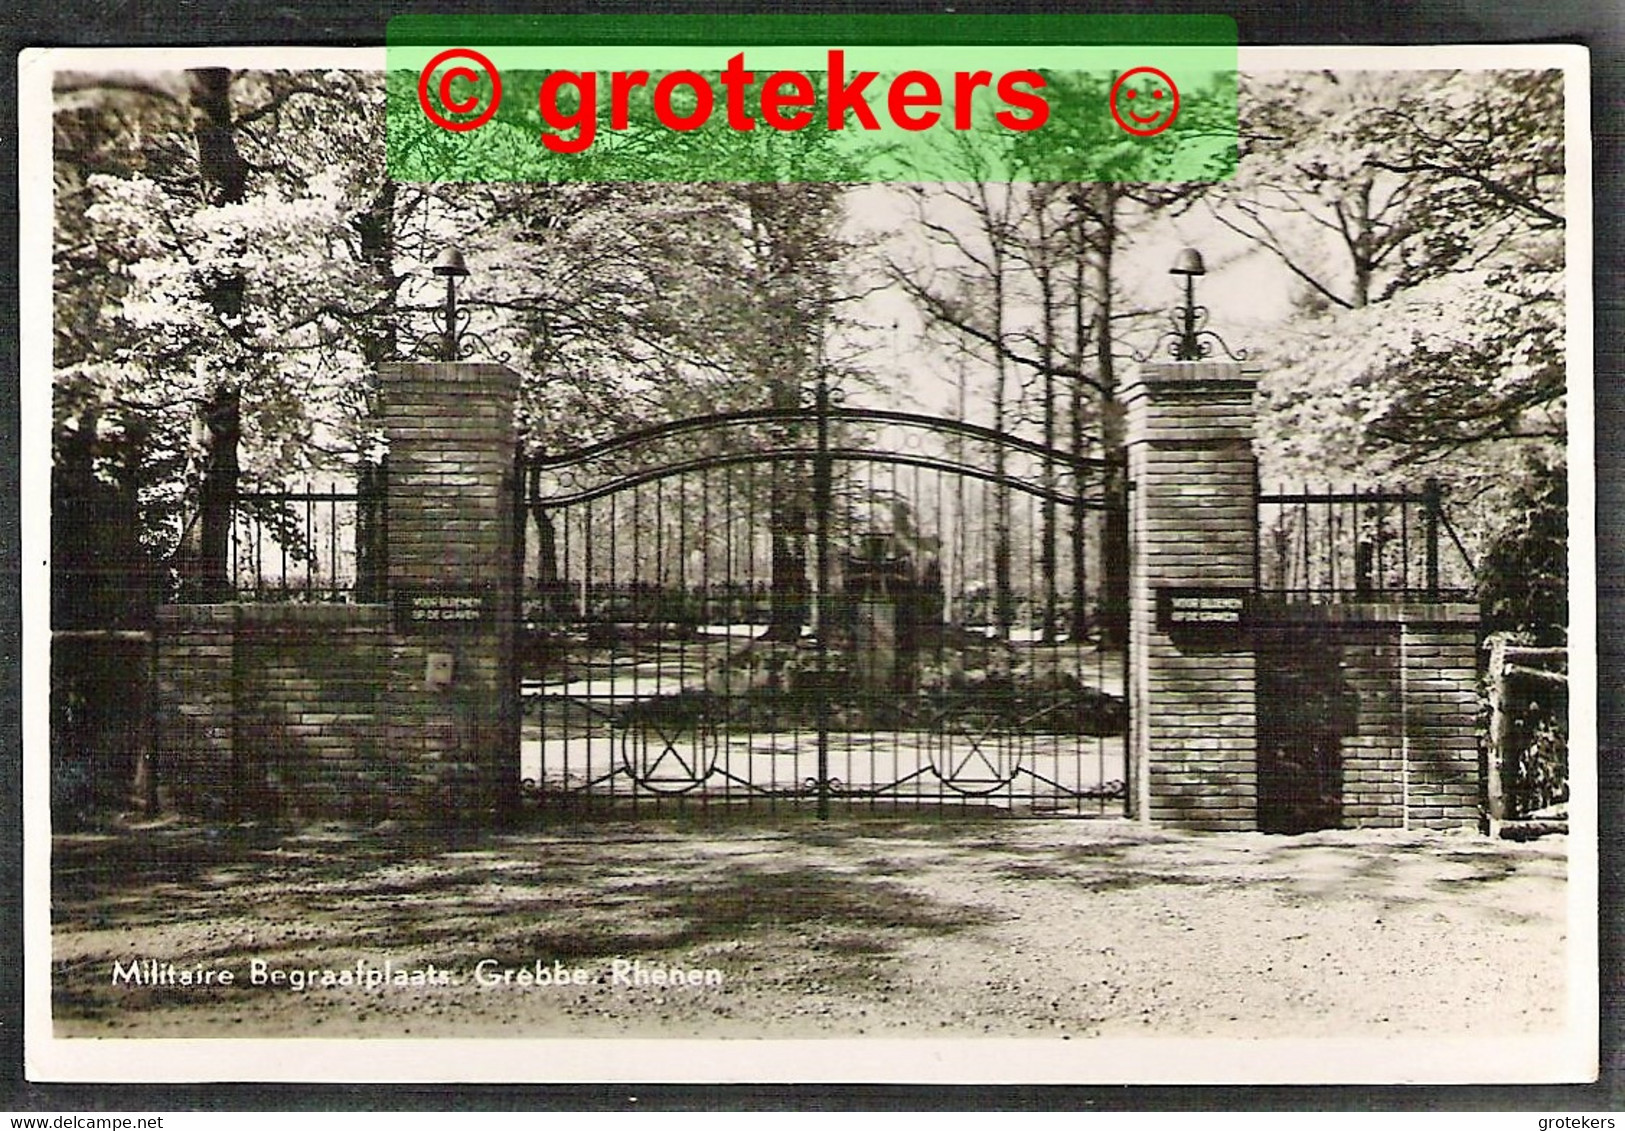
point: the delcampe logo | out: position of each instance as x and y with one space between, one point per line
914 98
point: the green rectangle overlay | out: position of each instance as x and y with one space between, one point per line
849 99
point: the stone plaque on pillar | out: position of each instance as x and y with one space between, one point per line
1223 610
423 608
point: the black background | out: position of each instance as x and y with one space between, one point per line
1597 24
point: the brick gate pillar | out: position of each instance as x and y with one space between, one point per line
1193 524
451 532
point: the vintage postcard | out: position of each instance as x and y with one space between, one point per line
776 563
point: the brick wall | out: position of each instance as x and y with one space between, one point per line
1378 721
197 719
272 710
1373 755
1393 687
1440 664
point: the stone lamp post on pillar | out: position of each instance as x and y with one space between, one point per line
451 267
1193 744
1190 265
1190 339
451 339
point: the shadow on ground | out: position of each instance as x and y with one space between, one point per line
846 919
187 894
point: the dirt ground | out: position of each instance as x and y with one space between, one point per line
880 928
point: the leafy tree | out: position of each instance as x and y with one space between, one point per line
1026 277
1431 199
229 311
105 446
1523 575
1421 215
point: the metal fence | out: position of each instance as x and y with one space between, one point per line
305 545
1362 544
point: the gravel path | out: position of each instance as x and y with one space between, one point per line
999 928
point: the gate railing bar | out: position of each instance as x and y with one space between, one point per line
823 473
1356 496
1082 793
542 786
811 416
788 455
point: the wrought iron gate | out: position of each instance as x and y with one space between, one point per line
823 606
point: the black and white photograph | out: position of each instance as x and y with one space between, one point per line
969 630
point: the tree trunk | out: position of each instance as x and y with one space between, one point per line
547 565
1003 592
1079 448
224 174
1362 247
222 418
1114 536
1048 551
787 531
790 252
791 588
784 368
376 229
549 580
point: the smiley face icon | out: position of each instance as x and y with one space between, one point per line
1144 101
